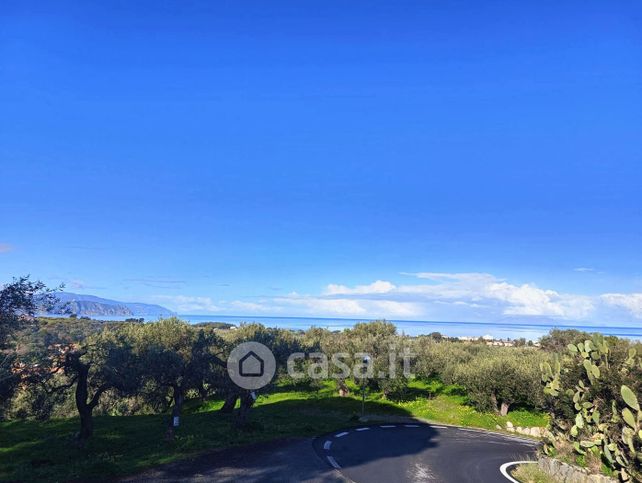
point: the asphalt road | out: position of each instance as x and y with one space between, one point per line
397 453
273 461
420 452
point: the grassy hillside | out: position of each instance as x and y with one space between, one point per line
127 444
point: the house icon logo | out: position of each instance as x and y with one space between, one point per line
251 365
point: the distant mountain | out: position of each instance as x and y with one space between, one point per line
90 305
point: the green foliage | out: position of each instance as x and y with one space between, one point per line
136 368
175 358
501 379
19 302
173 352
594 404
281 342
101 363
383 368
495 378
630 398
557 340
531 473
385 349
441 359
40 451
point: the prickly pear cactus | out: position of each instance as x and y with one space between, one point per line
611 429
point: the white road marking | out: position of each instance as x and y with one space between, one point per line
519 440
504 469
497 435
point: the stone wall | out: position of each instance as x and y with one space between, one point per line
565 473
535 431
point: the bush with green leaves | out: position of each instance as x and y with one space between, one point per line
176 358
281 343
385 350
502 378
103 363
594 398
19 302
442 359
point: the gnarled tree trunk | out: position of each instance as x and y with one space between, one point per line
84 406
230 403
343 389
493 402
178 395
86 424
503 411
247 401
84 410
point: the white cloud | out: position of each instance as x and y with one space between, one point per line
184 304
631 302
380 286
331 305
316 305
471 288
583 269
530 300
467 296
5 247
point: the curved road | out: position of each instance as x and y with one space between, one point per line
421 452
382 453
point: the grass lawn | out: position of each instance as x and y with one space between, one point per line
531 473
127 444
448 405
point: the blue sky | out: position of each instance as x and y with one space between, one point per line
420 160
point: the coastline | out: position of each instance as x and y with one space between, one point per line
498 330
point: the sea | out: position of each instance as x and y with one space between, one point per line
503 330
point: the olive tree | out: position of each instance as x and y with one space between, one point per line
441 359
384 351
502 378
177 358
102 362
20 300
281 342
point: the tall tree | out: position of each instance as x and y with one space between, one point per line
20 300
177 358
281 342
502 378
102 362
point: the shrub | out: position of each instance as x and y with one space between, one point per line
501 379
593 399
